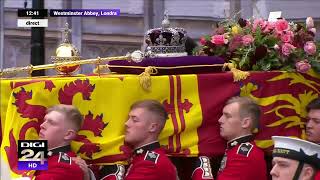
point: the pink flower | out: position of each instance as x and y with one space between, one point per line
259 23
287 36
269 27
219 40
203 41
247 39
287 49
303 66
313 30
281 25
310 48
309 22
235 43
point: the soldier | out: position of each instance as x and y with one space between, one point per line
60 127
294 159
242 159
313 124
146 120
149 161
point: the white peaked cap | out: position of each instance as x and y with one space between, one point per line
297 149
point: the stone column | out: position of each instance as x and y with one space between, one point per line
148 14
158 10
246 9
235 7
1 34
76 27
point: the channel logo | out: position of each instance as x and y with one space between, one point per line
32 155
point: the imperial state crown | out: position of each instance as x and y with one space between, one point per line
166 41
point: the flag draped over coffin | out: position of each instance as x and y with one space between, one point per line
194 104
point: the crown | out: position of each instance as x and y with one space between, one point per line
166 41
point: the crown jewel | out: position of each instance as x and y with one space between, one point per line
166 40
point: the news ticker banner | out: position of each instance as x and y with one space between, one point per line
38 15
194 103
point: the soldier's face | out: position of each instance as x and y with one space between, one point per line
230 122
53 129
137 127
313 126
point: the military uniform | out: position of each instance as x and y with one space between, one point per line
317 176
243 160
60 166
112 172
150 162
202 169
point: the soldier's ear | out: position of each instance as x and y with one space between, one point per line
246 122
70 134
153 127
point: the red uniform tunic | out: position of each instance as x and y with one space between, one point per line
202 169
151 163
60 166
317 176
112 172
243 160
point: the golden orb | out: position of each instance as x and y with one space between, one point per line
65 53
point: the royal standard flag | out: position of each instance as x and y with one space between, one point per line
194 103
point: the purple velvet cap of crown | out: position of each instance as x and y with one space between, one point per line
170 62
